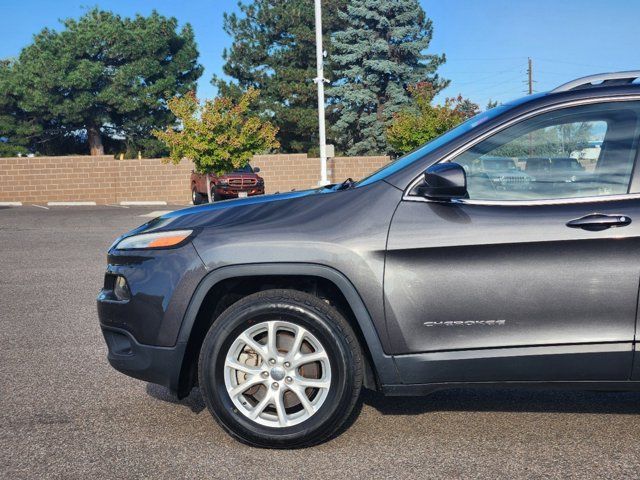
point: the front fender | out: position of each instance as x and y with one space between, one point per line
383 363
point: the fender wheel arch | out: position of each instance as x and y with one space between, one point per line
227 285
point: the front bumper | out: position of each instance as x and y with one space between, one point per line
161 284
142 332
160 365
233 192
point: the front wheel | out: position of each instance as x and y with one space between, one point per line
281 369
196 198
214 196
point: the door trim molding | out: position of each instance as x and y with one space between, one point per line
562 363
531 203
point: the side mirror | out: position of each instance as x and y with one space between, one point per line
256 169
444 181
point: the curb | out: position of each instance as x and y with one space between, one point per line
10 204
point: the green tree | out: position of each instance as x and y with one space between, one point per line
554 141
491 104
376 56
413 127
16 130
104 75
465 107
274 51
218 136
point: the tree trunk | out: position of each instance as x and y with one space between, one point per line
95 141
208 186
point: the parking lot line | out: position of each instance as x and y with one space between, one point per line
155 214
39 206
142 203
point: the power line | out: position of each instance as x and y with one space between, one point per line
573 63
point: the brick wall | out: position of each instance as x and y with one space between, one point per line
100 179
107 180
283 173
152 179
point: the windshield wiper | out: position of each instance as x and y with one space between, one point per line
347 184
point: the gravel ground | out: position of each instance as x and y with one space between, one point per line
64 413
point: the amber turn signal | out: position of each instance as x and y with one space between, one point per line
154 240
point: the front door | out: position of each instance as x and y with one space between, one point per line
535 276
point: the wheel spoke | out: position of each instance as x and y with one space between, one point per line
251 381
272 337
310 358
297 342
242 367
312 382
304 400
279 403
259 408
255 346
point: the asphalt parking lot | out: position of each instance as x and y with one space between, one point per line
64 413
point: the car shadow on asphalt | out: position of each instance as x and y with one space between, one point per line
507 400
466 400
193 401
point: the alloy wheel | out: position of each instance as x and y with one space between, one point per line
277 374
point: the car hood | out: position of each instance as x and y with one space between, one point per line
330 213
235 175
220 212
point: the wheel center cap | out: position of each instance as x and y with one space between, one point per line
277 373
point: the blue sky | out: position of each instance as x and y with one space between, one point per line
487 42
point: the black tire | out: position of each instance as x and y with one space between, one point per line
197 198
338 341
214 196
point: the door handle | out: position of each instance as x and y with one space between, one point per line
596 222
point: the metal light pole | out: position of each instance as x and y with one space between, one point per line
320 81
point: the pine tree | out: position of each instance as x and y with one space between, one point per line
491 104
377 57
16 129
274 51
103 75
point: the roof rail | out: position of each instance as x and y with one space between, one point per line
600 80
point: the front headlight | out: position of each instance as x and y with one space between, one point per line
223 181
154 240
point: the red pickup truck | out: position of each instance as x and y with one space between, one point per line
243 182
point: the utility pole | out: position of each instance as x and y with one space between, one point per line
320 81
530 81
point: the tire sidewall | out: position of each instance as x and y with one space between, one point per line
235 321
196 197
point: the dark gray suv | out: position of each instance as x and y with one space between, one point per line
417 278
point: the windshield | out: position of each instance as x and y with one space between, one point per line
246 169
438 142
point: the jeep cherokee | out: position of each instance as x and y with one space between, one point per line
417 278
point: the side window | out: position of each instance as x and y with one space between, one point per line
572 152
